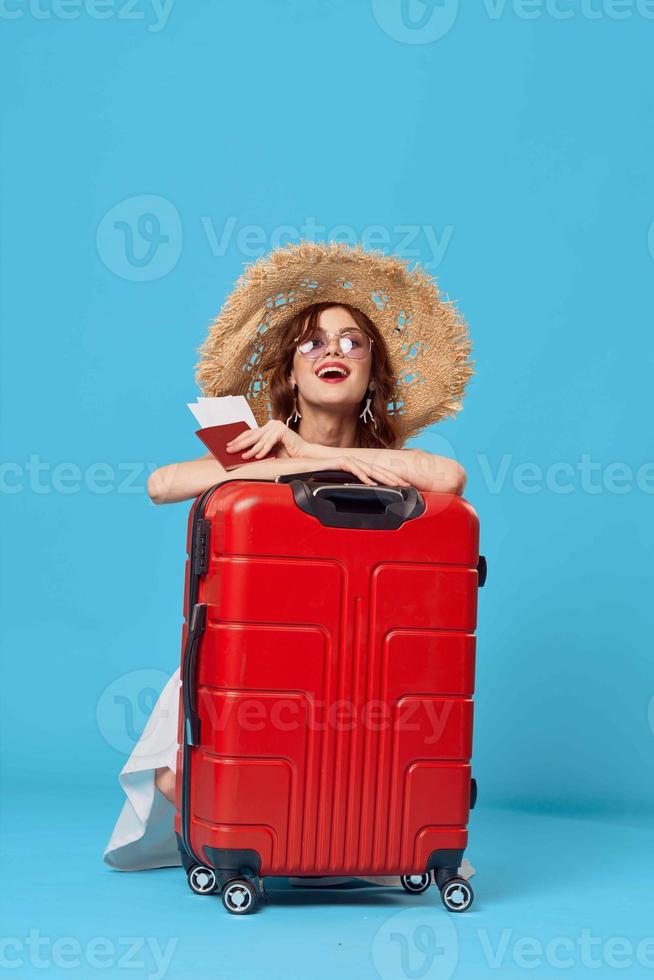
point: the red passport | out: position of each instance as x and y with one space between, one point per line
216 437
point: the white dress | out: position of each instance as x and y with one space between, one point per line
144 835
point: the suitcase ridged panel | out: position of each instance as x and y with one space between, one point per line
289 599
407 603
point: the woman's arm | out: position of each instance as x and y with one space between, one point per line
423 470
183 481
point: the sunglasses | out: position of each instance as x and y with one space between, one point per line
353 343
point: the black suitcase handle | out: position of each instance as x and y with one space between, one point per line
196 627
340 499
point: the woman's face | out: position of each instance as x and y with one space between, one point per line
337 389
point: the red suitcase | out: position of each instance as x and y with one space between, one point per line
327 680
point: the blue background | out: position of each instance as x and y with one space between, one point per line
524 145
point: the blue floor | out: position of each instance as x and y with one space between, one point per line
555 896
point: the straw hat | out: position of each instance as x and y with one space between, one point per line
427 339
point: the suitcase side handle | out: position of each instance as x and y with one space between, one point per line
195 630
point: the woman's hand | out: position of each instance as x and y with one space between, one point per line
368 472
272 435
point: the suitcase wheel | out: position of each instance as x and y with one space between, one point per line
415 884
457 894
201 880
239 896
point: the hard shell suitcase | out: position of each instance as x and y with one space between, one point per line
327 677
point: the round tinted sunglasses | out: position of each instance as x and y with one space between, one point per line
352 343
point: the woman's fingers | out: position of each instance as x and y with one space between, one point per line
361 473
266 446
387 479
258 449
378 471
388 475
243 439
260 441
249 437
390 472
259 445
371 473
349 463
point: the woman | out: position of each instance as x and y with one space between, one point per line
357 354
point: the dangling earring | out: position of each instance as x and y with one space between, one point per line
367 409
295 415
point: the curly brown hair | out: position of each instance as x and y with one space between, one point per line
280 361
